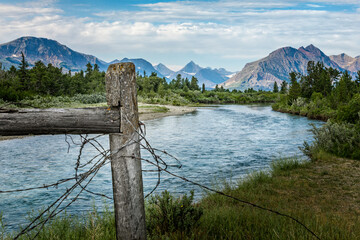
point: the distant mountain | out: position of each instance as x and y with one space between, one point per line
51 51
349 63
224 72
191 68
262 73
163 70
46 50
188 71
142 66
210 77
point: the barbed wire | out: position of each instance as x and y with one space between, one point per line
102 158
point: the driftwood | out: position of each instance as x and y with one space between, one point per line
59 121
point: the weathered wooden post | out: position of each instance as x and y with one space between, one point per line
121 121
126 170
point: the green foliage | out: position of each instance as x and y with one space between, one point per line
340 139
79 100
43 86
276 88
89 98
351 111
324 94
284 89
93 225
166 214
181 91
295 90
18 84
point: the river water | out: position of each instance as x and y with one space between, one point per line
214 145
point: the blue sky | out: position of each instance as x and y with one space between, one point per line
223 33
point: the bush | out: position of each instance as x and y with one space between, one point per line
351 111
165 214
340 139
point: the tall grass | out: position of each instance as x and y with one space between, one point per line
297 188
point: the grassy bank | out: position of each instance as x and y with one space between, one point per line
323 194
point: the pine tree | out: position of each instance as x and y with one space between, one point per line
194 83
345 88
357 82
295 90
283 88
276 88
23 73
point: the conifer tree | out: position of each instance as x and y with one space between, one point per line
283 88
295 90
23 73
194 83
276 88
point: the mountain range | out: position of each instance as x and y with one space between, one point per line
260 74
51 51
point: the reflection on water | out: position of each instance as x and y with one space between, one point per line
219 143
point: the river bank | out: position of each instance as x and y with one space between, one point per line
322 194
151 111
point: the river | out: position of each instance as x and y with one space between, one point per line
213 144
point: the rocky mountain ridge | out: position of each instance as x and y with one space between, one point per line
59 55
262 74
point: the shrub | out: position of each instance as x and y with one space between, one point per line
166 214
340 139
351 111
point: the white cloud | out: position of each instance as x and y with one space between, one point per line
335 2
314 5
222 34
15 11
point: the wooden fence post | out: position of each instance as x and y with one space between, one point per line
126 170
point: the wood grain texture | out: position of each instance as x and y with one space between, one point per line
59 121
125 151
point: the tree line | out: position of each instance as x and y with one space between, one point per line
326 94
43 80
22 82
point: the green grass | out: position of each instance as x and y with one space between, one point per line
316 193
93 225
153 109
323 194
77 101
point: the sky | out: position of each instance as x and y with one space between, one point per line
222 33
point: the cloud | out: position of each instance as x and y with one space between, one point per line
13 11
314 5
220 34
336 2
